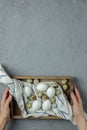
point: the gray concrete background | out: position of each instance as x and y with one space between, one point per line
44 37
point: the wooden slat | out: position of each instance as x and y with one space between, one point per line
43 77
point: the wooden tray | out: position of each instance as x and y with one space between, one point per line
15 111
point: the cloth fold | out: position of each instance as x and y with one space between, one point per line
16 89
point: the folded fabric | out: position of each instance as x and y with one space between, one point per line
63 108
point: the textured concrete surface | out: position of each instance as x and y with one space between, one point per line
44 37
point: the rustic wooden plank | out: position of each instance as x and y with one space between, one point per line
43 77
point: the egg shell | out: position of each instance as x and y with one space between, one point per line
36 81
36 105
65 86
32 97
40 94
46 105
50 92
58 92
28 91
29 80
53 100
44 97
54 85
42 87
28 105
64 81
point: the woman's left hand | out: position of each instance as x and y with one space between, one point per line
5 109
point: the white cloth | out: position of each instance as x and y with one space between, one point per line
63 109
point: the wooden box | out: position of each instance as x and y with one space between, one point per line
15 111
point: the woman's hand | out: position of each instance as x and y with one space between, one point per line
77 106
78 112
5 109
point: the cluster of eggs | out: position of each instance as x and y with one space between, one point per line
64 84
46 93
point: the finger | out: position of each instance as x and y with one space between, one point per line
73 97
9 99
75 91
78 95
5 95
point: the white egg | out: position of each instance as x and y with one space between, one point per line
28 91
36 105
46 105
50 92
42 87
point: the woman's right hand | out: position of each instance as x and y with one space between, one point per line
78 111
77 106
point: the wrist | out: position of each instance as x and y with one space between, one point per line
80 120
2 124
